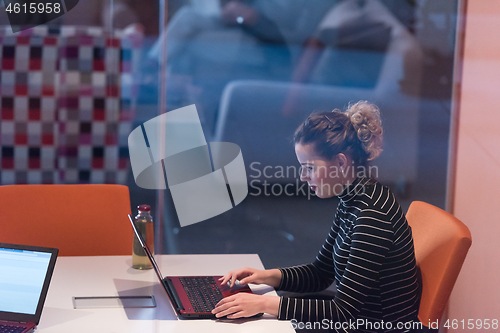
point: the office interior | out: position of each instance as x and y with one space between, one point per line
255 69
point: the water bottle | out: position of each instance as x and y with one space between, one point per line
144 224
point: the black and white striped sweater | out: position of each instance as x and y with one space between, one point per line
369 254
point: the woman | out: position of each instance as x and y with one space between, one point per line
369 251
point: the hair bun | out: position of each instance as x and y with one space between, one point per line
365 118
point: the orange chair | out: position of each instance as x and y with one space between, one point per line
77 219
441 244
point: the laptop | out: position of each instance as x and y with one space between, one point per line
25 273
192 297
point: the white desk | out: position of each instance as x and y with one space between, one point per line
113 275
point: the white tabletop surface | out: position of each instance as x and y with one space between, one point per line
113 275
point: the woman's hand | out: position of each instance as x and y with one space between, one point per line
245 275
246 305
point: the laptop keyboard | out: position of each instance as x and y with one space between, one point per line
11 329
202 291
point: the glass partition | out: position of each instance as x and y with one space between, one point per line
256 69
74 89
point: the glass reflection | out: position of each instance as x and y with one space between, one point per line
256 69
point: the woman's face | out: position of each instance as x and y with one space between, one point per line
323 176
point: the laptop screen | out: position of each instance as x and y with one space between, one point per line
22 279
25 273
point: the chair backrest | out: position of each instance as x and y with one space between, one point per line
28 135
67 102
96 102
251 116
76 219
441 243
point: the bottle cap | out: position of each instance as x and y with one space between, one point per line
144 208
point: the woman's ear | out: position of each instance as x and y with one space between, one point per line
342 160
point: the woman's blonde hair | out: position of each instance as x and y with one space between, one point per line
356 132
